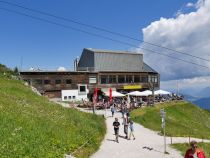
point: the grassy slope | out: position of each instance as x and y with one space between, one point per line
31 126
184 147
182 119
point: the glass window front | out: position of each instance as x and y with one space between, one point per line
121 79
129 79
112 79
104 79
136 78
153 79
144 79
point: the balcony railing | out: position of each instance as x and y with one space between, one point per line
89 69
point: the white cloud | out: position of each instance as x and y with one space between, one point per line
186 33
190 5
193 85
61 69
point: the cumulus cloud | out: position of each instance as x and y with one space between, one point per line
61 68
191 86
188 33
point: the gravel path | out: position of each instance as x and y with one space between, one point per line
148 144
145 140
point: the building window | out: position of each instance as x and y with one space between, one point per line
129 79
57 81
38 81
74 97
65 97
92 79
47 81
82 88
144 79
68 81
136 78
153 79
112 79
104 79
69 97
121 79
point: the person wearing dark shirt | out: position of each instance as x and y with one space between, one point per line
116 125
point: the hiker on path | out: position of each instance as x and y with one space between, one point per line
125 123
112 110
116 125
122 110
131 130
194 152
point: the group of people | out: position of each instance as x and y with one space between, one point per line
127 123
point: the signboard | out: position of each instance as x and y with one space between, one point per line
132 87
163 115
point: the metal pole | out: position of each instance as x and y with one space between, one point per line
153 96
164 138
163 115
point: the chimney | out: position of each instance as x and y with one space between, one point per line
76 61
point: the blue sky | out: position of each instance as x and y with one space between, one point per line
183 25
47 46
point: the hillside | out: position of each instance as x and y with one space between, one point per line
31 126
182 119
7 72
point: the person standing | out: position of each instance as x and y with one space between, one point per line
112 110
131 130
116 125
194 152
122 110
125 123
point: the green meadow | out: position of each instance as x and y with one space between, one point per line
31 126
182 119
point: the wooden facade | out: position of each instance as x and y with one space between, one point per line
50 84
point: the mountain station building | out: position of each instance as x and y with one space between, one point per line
102 69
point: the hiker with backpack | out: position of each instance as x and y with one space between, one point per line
116 125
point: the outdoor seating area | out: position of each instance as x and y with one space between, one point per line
131 100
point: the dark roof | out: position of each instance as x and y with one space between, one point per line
147 68
108 60
110 51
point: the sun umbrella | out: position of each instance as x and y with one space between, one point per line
162 92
